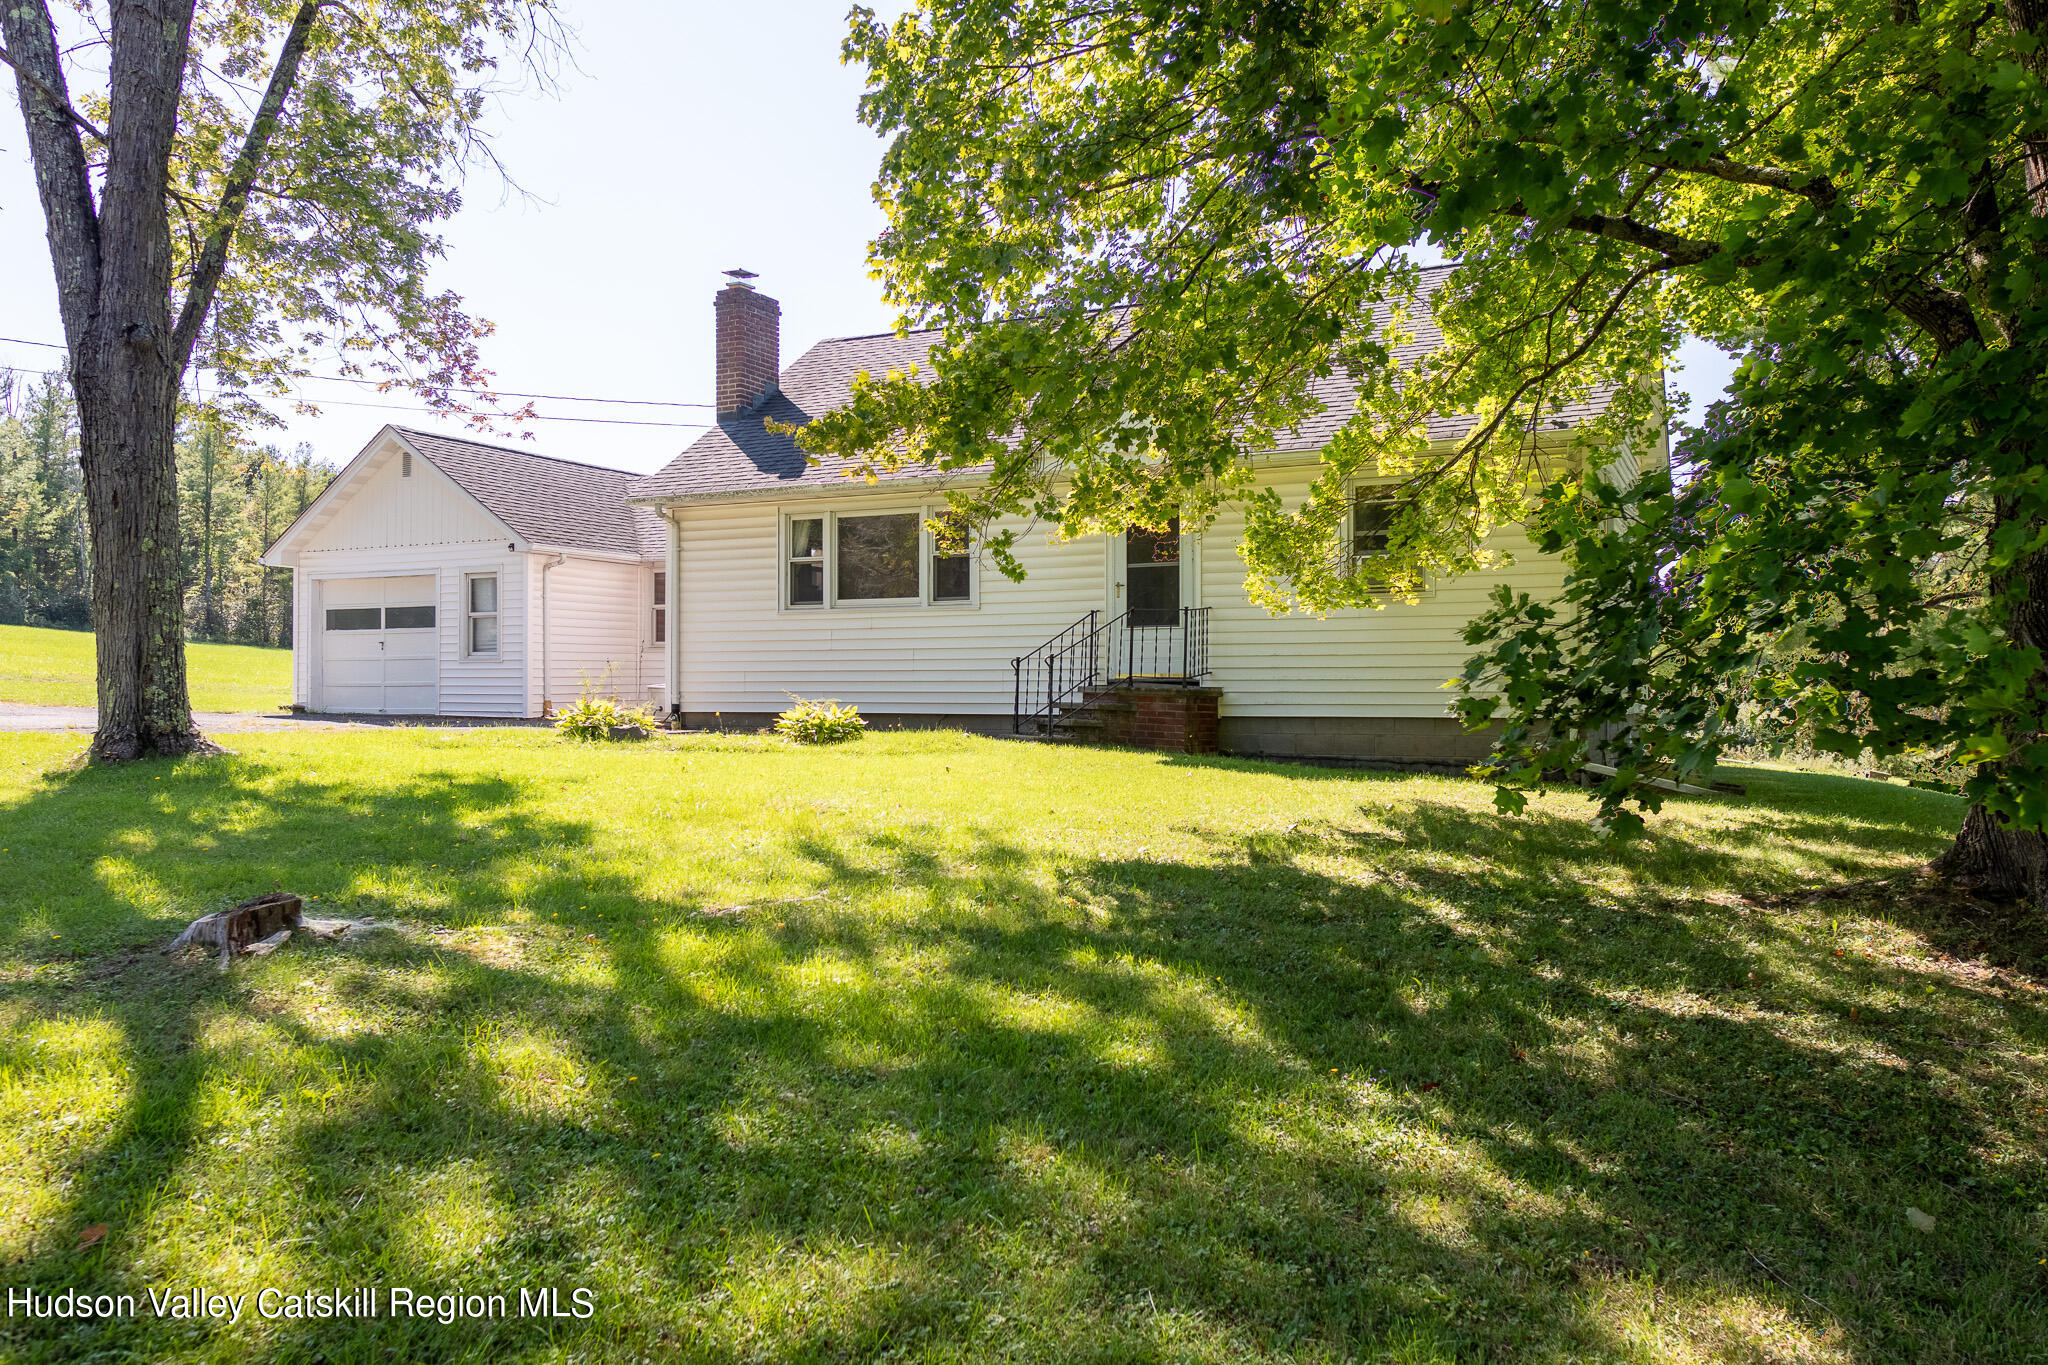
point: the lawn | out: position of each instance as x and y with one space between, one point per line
940 1048
55 668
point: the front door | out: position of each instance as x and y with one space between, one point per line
1151 580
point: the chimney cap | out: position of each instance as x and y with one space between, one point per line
741 275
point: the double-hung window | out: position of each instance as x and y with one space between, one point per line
952 564
806 562
480 623
660 606
1375 511
901 557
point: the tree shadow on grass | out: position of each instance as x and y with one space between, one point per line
1308 1095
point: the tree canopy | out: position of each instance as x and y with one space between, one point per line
1147 227
244 186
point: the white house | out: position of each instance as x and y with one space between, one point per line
743 574
438 576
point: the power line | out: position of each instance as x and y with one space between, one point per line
508 393
496 393
535 417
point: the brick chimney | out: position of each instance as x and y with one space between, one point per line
749 345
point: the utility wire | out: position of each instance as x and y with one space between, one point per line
497 393
534 417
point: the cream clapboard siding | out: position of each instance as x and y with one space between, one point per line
394 525
1359 662
739 652
386 509
653 656
590 612
470 686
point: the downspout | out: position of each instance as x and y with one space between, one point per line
674 661
546 704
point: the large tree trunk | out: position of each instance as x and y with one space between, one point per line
1992 857
1989 855
127 409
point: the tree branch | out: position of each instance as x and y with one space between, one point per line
63 179
53 97
234 199
1818 188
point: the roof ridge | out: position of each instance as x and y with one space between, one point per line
516 450
920 331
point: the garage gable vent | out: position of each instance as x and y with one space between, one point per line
405 464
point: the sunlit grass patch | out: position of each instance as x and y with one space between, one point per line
43 667
957 1049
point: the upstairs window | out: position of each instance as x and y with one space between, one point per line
1374 510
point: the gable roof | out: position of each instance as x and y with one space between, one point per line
547 501
740 456
544 501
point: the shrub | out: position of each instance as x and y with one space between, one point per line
593 718
820 722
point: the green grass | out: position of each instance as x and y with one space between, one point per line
55 668
937 1048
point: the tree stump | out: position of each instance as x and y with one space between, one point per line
253 921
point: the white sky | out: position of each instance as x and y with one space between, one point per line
694 138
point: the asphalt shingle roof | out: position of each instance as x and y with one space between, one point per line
545 500
740 455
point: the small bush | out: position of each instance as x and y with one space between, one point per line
593 718
820 722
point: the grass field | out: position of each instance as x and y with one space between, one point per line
55 668
939 1048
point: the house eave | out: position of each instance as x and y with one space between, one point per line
797 490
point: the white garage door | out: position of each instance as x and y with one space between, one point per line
379 646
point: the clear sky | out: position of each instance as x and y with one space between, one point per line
692 139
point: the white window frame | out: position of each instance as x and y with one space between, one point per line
926 552
657 617
469 615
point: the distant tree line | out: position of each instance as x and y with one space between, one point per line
234 497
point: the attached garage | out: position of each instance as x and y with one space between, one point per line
379 646
442 577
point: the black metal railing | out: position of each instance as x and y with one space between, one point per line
1056 673
1173 651
1052 681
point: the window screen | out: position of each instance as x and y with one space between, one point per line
355 618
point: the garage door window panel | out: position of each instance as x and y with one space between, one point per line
355 618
